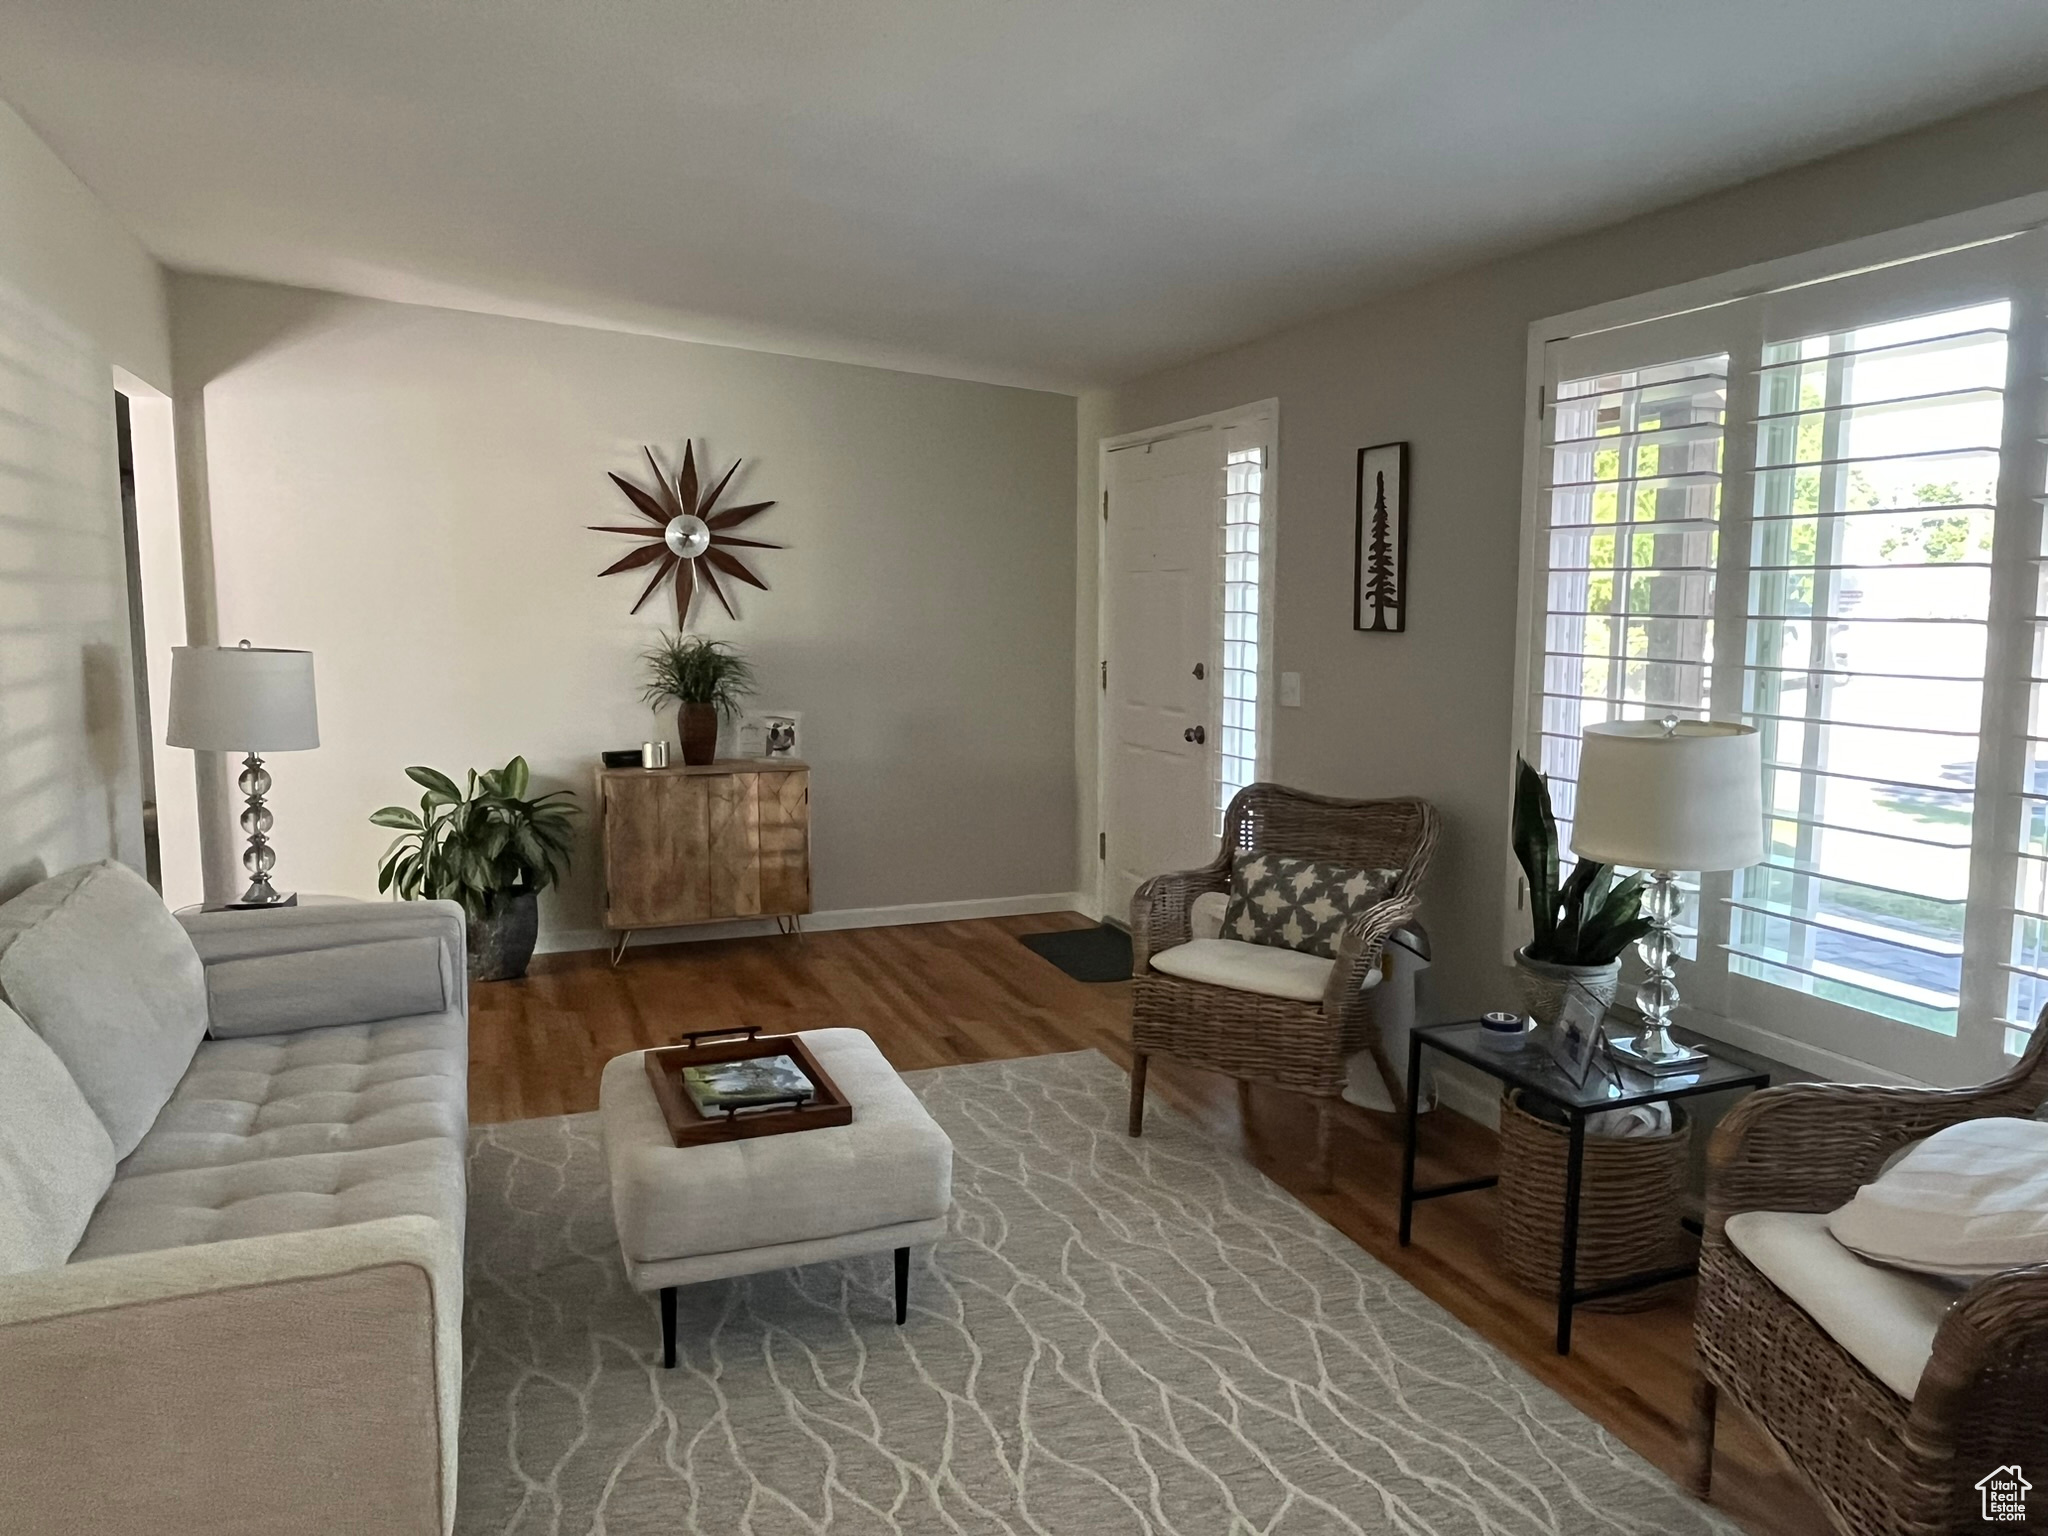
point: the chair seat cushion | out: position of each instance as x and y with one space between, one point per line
298 1132
1886 1318
1260 968
1969 1200
891 1166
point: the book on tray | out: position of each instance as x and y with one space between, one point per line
725 1087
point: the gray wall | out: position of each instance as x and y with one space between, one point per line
78 296
405 491
1430 712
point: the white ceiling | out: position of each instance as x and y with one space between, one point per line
1045 191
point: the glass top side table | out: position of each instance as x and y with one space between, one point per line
1529 1068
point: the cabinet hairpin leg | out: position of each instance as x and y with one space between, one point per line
618 946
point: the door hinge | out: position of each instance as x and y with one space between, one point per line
1105 677
1541 389
1105 505
1102 845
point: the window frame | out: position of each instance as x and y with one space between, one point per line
1735 313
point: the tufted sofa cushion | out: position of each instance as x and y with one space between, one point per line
289 1133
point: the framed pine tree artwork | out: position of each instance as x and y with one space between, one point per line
1379 595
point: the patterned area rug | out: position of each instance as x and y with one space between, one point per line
1118 1337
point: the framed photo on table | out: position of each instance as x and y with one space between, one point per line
1578 1040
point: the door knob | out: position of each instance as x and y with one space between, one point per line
1195 734
1201 671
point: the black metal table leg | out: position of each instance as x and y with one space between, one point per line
1408 1131
1568 1249
902 1285
668 1327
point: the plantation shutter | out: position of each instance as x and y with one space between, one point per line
1632 505
1818 510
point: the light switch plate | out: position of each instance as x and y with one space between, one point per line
1290 690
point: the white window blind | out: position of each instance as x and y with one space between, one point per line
1634 507
1875 496
1819 510
1237 750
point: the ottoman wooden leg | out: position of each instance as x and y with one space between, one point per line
668 1327
902 1285
1138 1060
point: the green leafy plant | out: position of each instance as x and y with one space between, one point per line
691 669
479 845
1592 917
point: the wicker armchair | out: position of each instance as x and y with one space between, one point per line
1272 1040
1881 1464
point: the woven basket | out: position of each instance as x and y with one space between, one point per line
1628 1205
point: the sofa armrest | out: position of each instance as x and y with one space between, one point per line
344 952
275 1384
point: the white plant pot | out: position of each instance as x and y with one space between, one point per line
1543 984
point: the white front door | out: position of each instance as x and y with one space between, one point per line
1160 585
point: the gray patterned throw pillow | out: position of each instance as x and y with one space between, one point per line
1299 903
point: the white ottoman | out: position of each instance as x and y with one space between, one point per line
689 1214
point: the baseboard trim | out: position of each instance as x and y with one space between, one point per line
566 940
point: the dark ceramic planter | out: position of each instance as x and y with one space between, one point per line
501 945
697 724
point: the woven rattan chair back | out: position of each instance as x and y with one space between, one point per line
1359 834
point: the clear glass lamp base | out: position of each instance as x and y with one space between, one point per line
1654 1050
259 858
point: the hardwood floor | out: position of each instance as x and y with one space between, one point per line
947 993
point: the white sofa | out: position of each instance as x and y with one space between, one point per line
232 1193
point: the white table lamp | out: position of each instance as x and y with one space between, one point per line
251 700
1663 796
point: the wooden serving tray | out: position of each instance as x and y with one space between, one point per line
688 1128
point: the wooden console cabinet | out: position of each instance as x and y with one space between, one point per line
697 845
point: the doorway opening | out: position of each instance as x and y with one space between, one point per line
138 644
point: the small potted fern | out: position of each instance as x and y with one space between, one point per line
706 678
1580 926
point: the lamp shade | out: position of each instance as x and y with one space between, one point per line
1687 796
242 699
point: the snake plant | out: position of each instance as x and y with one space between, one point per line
1590 918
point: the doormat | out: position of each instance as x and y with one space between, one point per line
1086 954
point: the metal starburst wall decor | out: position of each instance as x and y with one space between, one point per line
687 537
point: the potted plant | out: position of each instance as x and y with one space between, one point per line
706 678
487 846
1580 927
